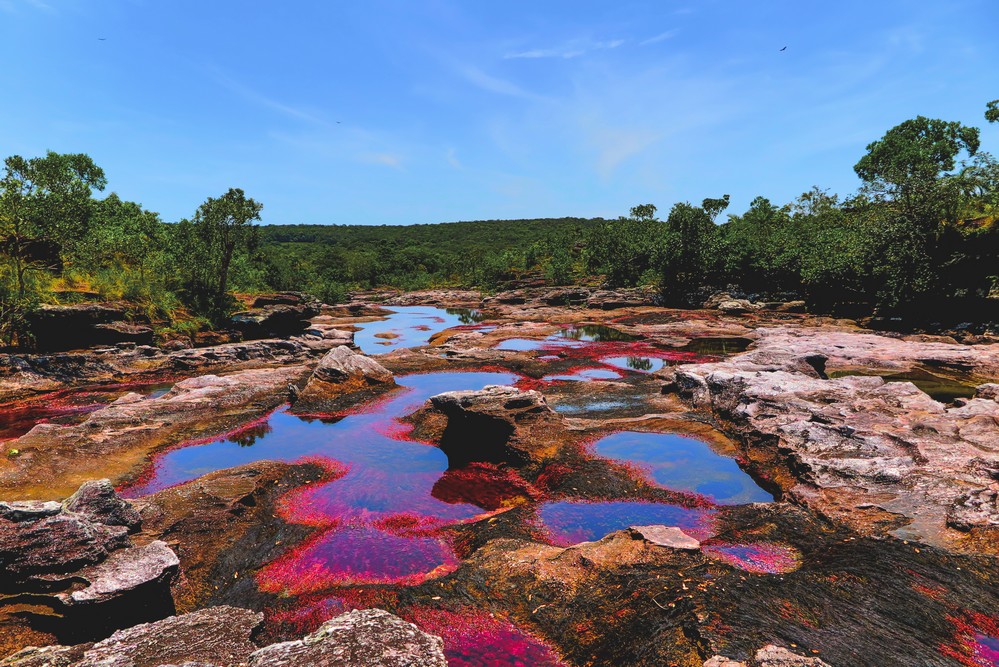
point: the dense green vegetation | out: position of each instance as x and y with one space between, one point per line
325 259
920 230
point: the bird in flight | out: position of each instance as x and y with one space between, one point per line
102 39
784 49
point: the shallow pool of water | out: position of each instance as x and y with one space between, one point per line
584 375
523 345
571 407
592 333
718 345
467 315
636 363
937 387
681 463
407 326
378 514
570 522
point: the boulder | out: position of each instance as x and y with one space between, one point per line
46 656
344 365
222 637
362 638
496 424
736 306
277 320
280 299
979 508
76 559
342 375
124 571
667 536
57 543
622 298
98 501
79 326
216 636
121 332
28 510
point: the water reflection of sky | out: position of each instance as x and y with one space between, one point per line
408 326
683 464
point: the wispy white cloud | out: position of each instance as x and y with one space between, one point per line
258 98
11 6
572 49
906 37
452 159
490 83
386 159
661 37
616 145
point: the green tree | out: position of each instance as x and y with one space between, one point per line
45 207
625 250
909 168
223 227
992 111
760 247
687 256
122 235
909 179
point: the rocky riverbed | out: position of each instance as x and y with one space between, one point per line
542 477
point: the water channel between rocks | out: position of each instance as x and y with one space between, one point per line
382 514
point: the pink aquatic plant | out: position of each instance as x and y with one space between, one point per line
760 558
476 638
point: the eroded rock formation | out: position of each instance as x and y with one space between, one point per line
342 376
876 455
223 637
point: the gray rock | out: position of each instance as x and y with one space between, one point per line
493 399
28 510
859 440
342 364
978 508
124 571
59 543
358 639
98 501
216 636
722 661
989 391
737 306
778 656
670 536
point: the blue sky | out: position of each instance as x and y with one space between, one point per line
411 111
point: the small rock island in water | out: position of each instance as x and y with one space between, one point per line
740 434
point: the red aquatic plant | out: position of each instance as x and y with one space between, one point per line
976 639
476 638
759 558
486 485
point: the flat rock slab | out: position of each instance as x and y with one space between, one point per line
668 536
878 456
125 570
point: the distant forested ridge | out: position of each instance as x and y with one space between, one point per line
325 258
919 236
